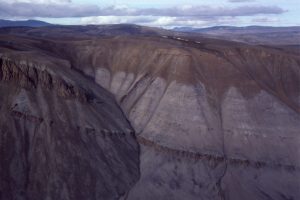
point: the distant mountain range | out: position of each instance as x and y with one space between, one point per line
249 34
29 23
237 30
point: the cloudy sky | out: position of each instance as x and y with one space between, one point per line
161 13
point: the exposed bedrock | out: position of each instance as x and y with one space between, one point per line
239 105
62 137
215 120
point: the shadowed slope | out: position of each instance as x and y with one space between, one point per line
62 136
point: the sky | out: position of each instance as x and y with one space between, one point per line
157 13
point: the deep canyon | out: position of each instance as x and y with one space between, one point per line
130 112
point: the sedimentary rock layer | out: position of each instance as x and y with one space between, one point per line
234 102
62 136
214 119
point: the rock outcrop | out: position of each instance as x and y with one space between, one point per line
214 119
233 104
62 137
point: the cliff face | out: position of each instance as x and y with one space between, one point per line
214 119
62 136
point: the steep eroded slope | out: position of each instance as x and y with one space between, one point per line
215 119
62 136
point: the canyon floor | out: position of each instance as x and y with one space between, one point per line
138 113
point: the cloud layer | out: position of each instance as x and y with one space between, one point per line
241 1
60 9
183 15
